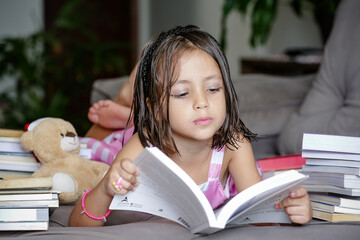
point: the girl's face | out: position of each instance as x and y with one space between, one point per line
197 107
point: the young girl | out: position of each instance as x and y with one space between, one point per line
185 104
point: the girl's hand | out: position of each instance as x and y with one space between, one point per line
297 206
123 174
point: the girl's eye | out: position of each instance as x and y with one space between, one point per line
180 95
213 90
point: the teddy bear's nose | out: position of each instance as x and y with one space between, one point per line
70 134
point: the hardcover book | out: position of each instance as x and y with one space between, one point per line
279 163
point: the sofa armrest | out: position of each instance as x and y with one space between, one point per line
106 88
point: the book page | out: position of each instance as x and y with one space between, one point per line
165 190
249 206
263 213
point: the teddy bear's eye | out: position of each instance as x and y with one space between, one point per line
70 134
62 135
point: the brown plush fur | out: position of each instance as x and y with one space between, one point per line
45 141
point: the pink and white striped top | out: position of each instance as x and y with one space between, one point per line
213 189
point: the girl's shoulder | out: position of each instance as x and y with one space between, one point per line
242 148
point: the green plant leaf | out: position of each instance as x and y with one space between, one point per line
262 18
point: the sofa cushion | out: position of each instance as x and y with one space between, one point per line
266 102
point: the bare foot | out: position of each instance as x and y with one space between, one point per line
109 114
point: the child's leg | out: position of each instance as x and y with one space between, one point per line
109 114
101 117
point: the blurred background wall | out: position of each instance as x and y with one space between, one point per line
143 18
22 17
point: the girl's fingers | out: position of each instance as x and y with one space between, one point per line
295 210
299 214
128 172
122 177
297 206
301 192
299 219
122 187
298 197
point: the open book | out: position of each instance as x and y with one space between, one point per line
167 191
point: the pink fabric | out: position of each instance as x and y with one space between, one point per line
213 188
106 150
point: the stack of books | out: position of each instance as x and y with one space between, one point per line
333 167
26 203
13 159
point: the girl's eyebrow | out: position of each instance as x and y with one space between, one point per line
214 76
180 81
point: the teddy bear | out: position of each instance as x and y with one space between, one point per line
55 143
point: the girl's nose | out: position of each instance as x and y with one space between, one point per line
201 102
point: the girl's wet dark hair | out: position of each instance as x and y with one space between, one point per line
157 72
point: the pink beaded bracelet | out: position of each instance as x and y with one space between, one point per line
88 214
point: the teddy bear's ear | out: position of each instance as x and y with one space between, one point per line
26 141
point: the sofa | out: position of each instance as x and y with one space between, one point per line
279 110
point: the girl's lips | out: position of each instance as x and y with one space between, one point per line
203 121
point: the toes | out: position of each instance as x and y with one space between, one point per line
94 118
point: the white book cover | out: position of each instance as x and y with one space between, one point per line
335 179
28 196
322 188
53 203
24 214
24 226
348 202
14 148
330 155
331 143
332 162
11 147
23 167
330 169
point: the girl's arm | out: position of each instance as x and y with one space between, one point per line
97 201
242 166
